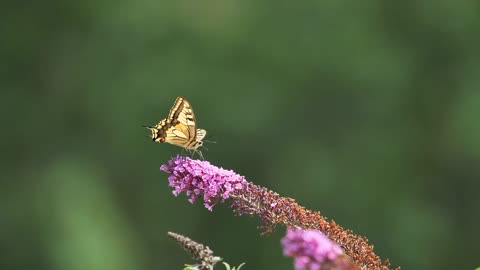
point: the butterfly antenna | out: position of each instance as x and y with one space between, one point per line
207 139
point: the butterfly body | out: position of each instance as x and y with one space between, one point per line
179 128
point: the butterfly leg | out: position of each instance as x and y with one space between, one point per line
200 154
192 153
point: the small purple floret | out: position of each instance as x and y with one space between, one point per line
311 249
196 177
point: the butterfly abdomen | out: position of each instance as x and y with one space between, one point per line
194 144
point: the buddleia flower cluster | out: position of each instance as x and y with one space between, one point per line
200 179
312 250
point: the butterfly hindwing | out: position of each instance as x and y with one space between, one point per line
176 136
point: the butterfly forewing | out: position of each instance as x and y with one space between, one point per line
182 112
201 134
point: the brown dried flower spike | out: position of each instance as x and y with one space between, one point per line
202 254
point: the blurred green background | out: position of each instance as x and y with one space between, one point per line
366 111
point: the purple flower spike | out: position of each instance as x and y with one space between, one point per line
196 177
311 249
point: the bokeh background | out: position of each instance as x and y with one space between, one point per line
367 111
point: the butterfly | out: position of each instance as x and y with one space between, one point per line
179 128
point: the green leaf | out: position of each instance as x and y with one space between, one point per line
240 266
191 267
227 266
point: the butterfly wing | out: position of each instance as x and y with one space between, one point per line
177 135
201 134
182 113
180 127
